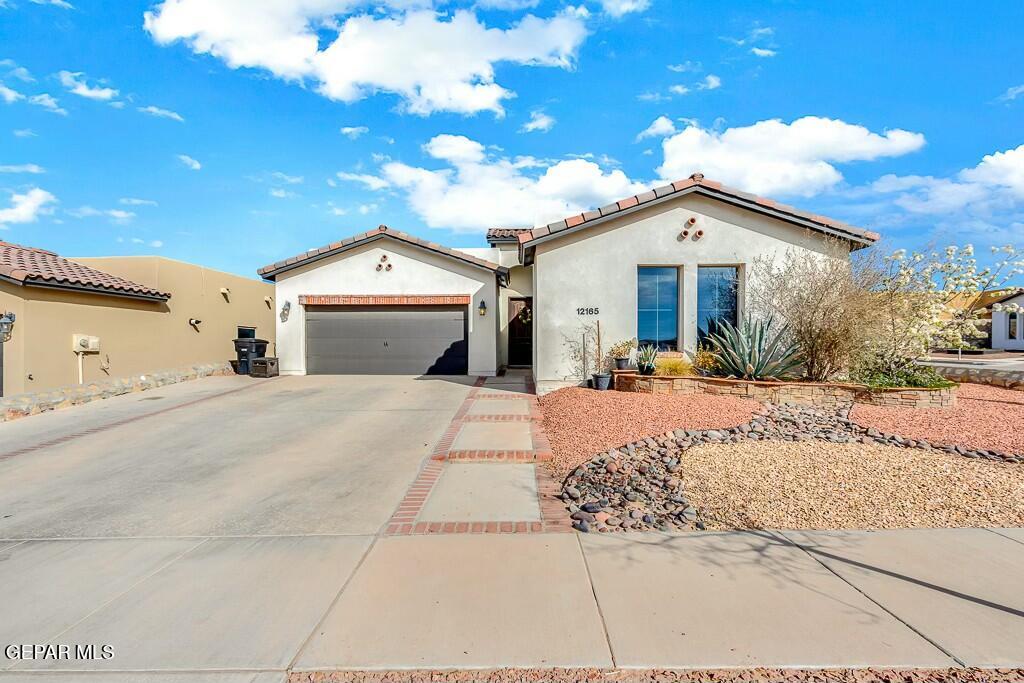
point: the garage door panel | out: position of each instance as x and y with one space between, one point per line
386 340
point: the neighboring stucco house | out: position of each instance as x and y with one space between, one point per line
1008 326
139 308
660 266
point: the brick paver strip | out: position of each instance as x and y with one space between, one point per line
553 514
752 675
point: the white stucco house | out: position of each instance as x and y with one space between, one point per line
660 266
1008 322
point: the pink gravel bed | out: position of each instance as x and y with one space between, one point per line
581 422
985 417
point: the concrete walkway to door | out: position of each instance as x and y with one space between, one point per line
247 530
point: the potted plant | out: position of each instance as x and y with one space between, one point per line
645 357
602 378
621 351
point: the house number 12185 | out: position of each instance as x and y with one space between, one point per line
588 311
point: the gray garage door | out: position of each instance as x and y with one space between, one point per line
386 340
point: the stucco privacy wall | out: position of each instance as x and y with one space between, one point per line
136 336
1001 338
414 272
597 268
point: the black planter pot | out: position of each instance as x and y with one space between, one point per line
622 363
602 382
646 369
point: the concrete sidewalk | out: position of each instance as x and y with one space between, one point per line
246 607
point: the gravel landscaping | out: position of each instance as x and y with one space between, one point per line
667 676
581 422
783 485
990 418
792 467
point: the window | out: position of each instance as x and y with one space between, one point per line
657 307
246 333
717 297
1013 325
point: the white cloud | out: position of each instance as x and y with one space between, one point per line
678 89
119 216
16 71
156 244
763 52
76 84
10 95
618 8
776 158
371 182
434 62
24 133
1011 93
652 97
659 128
367 208
539 121
353 132
507 5
48 102
474 191
63 4
684 67
135 201
710 82
22 168
281 193
162 113
27 207
189 161
287 179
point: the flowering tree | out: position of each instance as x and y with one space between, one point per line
931 299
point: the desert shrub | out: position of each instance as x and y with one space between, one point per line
705 361
911 375
622 349
679 367
825 301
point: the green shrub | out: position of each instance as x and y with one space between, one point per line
679 367
911 376
751 352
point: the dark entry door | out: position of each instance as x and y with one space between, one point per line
386 340
520 331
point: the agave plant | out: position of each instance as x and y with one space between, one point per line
750 351
645 357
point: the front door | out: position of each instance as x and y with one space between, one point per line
520 332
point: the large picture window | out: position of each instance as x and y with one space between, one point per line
657 307
717 297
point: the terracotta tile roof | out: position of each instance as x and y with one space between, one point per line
697 183
380 232
505 234
41 268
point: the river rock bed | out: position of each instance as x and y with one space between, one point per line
636 487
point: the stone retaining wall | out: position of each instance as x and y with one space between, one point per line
800 393
23 405
1008 379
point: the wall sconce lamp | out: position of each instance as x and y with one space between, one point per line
483 308
195 323
285 310
6 326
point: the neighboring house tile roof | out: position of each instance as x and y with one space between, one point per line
698 184
1011 293
505 234
271 271
29 266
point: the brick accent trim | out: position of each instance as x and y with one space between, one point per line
384 300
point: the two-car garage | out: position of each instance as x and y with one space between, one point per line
387 340
387 303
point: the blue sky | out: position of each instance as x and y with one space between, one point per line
234 133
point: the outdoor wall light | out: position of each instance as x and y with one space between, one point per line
285 310
483 308
195 322
6 326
